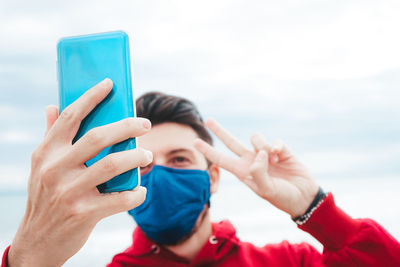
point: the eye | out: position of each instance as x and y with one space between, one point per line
180 161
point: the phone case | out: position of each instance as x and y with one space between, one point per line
84 61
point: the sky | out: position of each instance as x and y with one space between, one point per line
322 76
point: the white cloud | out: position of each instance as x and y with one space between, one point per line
345 160
16 137
286 62
13 176
10 112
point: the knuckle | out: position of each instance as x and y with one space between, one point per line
40 151
109 165
93 137
253 169
47 176
67 115
77 212
37 156
91 94
134 126
128 123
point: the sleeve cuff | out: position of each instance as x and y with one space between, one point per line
330 225
4 261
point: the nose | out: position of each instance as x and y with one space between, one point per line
145 170
157 160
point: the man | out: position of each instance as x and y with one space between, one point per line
180 174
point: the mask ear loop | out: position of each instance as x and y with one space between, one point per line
208 202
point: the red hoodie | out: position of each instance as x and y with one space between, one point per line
347 242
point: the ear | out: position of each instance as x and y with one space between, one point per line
213 170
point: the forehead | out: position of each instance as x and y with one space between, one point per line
168 136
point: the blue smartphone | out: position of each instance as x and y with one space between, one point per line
84 61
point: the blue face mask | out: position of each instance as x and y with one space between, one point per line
175 198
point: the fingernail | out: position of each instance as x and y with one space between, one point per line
146 124
149 155
144 189
106 82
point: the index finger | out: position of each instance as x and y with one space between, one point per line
229 140
68 122
259 143
224 161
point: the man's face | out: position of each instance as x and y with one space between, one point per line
172 146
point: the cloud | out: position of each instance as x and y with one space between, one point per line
352 163
317 75
13 177
16 137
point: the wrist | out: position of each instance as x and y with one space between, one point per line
330 225
16 258
315 203
303 201
21 257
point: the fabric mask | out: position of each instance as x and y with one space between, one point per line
175 198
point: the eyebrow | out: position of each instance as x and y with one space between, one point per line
179 150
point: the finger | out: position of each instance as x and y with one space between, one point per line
51 117
229 140
279 149
259 173
259 143
67 124
99 138
111 166
224 161
109 204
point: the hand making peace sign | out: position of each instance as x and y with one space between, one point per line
271 171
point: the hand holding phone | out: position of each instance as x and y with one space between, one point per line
69 203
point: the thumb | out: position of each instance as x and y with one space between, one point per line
259 172
260 164
51 117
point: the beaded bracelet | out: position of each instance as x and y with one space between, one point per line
319 198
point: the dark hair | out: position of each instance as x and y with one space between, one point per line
159 108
